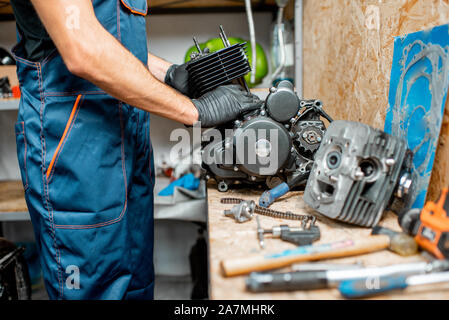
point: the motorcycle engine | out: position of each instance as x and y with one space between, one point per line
274 144
268 146
358 173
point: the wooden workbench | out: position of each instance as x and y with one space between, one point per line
228 239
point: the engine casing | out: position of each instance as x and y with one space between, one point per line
267 146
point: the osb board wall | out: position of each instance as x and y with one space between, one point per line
348 49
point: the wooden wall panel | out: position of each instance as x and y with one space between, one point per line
348 47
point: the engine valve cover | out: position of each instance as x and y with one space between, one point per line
358 173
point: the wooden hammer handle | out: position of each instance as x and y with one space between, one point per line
235 267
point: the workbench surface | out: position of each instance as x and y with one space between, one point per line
228 239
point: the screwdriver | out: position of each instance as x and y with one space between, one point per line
354 289
312 280
270 196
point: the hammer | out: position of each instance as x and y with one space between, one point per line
341 249
346 248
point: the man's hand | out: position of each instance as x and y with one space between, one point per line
224 104
177 77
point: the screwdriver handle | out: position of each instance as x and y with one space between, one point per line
291 281
270 196
354 289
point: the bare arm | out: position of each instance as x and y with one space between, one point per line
92 53
158 67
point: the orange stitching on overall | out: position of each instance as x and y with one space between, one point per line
64 135
119 33
134 10
107 223
45 184
65 139
75 93
25 156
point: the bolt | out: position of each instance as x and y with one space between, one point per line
319 139
390 162
263 113
253 178
273 89
236 169
237 123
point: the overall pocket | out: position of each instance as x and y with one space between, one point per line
22 150
132 32
85 161
139 7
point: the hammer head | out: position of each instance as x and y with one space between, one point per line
400 242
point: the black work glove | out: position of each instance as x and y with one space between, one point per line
177 77
224 104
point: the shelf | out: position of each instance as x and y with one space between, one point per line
13 206
12 202
9 104
6 11
173 6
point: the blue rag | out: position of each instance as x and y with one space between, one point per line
187 181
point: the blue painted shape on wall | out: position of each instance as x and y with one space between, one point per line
418 91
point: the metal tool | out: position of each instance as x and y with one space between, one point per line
242 212
311 280
269 212
401 243
233 267
304 235
362 288
326 266
430 226
270 196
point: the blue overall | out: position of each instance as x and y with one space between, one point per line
87 168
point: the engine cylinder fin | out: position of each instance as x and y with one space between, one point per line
219 68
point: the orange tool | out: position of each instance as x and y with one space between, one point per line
433 232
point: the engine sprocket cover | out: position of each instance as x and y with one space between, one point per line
262 146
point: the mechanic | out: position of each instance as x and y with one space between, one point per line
84 150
